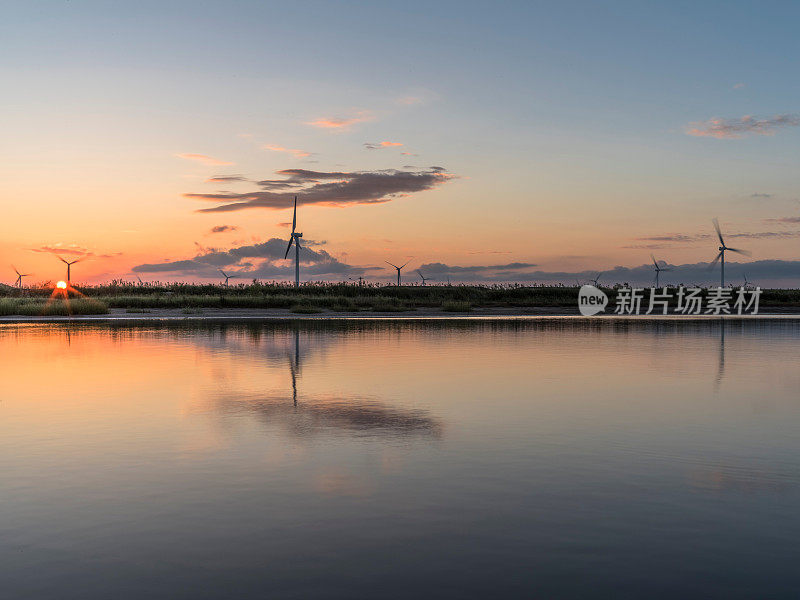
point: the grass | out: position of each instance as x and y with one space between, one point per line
39 307
456 306
336 297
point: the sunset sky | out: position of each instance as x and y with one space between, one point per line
491 141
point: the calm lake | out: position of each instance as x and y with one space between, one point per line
558 458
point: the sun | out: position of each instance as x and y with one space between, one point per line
62 285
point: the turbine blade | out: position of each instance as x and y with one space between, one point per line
740 251
408 261
715 261
62 260
719 233
655 262
395 266
294 215
289 247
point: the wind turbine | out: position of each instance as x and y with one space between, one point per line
226 276
746 283
596 279
69 264
398 269
658 269
295 238
19 277
424 279
721 255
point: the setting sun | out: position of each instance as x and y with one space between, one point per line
62 285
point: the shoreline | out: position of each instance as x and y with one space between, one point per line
278 315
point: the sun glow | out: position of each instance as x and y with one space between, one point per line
62 285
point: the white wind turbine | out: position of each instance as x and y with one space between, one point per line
18 283
721 256
295 239
658 268
226 276
400 268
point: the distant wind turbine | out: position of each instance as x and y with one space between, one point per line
596 279
658 269
746 283
721 255
295 239
19 276
398 269
424 279
69 264
226 276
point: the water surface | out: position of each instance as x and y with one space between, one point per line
554 458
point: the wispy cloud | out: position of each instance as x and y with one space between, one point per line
784 220
737 128
760 195
292 151
204 159
224 228
341 123
227 179
71 250
381 145
337 188
738 86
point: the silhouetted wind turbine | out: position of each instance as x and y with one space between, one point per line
398 269
721 255
658 268
295 238
140 280
596 279
424 279
746 283
226 276
69 264
19 277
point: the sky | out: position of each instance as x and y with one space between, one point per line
484 141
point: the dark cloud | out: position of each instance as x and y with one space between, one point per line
331 188
223 228
736 128
268 264
227 179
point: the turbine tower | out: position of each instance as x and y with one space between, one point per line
658 269
398 269
721 255
18 283
69 264
295 238
226 276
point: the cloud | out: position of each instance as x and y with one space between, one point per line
410 100
760 195
293 152
336 188
784 220
340 123
737 128
738 86
206 160
381 145
223 228
264 261
227 179
441 268
72 250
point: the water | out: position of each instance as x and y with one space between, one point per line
556 458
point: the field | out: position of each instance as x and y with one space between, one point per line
310 298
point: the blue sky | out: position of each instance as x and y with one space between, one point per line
564 126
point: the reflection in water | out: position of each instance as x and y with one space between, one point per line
383 459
